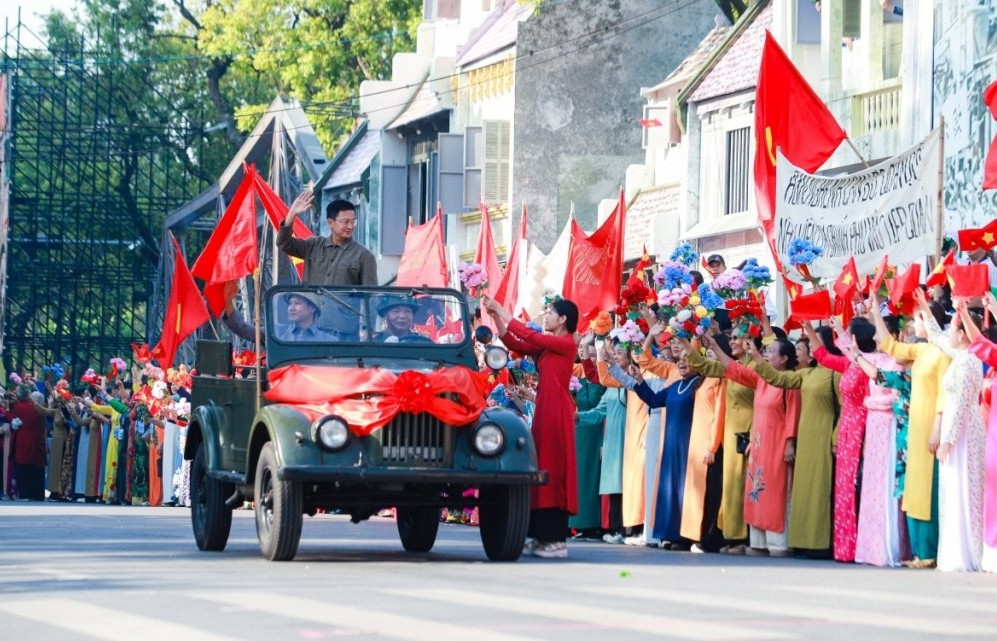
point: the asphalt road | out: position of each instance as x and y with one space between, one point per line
74 571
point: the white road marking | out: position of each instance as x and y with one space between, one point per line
609 618
107 624
782 609
375 622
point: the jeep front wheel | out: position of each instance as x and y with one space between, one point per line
417 527
504 519
210 516
278 509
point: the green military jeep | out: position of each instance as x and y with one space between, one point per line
369 398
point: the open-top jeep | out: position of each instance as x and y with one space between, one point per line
369 398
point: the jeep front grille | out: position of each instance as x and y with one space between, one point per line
417 440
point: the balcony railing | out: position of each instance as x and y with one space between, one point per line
877 110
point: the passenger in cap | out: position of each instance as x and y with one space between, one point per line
303 311
399 320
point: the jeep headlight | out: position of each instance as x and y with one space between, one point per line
489 439
496 357
331 432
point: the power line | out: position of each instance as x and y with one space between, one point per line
346 106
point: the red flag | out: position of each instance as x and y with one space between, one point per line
990 166
791 117
594 276
429 329
939 274
816 306
276 213
485 254
969 281
508 290
982 238
848 281
185 311
452 326
424 259
231 252
638 275
877 280
904 284
793 290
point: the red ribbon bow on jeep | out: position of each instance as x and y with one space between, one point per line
368 399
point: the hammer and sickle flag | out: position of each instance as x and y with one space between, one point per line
791 117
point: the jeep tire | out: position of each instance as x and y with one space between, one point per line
417 527
209 515
278 509
504 518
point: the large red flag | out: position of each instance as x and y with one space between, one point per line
594 276
990 166
485 256
790 117
276 213
185 311
508 290
231 252
424 259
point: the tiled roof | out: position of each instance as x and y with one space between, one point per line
496 33
351 166
692 63
738 70
646 206
423 105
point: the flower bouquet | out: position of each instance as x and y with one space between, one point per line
674 287
745 315
474 278
118 365
758 276
601 325
695 319
685 254
574 384
802 254
731 285
630 336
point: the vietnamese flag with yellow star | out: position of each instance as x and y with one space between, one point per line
984 238
789 117
185 311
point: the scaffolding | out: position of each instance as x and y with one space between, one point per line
88 176
285 150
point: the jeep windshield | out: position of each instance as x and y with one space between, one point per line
352 315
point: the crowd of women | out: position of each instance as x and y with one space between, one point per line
864 443
108 440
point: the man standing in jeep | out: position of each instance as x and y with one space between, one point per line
336 260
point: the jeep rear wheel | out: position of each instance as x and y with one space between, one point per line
417 527
209 515
278 509
505 517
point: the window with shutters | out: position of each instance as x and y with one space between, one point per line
737 176
851 17
495 175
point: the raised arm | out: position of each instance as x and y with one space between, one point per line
742 374
775 378
705 366
831 361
